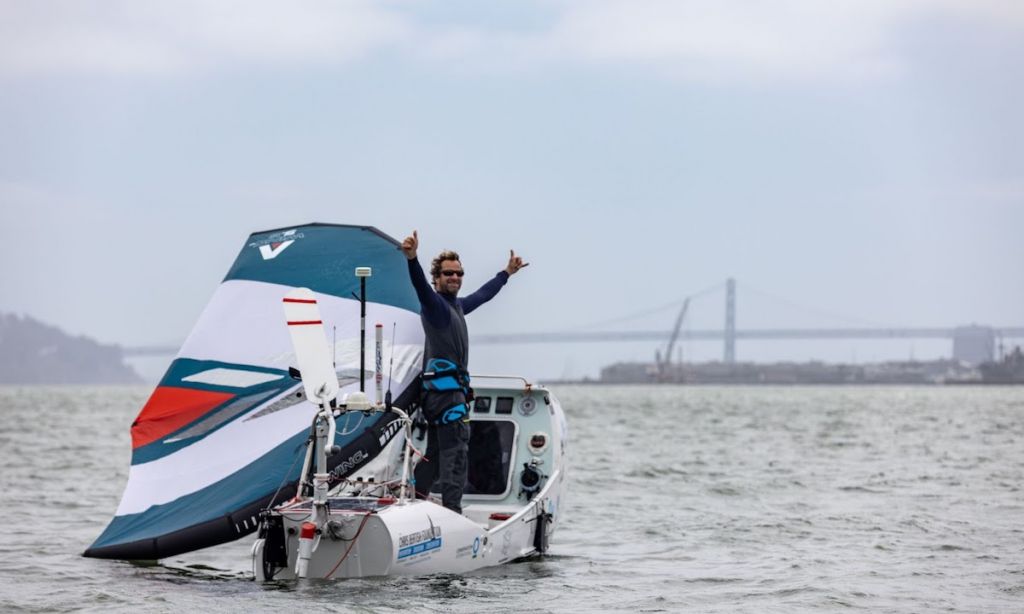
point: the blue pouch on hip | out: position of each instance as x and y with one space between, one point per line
443 375
454 414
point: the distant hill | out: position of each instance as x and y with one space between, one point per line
35 353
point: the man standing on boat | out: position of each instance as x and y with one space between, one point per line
445 366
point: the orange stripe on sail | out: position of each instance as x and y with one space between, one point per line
170 408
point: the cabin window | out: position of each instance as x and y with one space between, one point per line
490 456
504 405
482 405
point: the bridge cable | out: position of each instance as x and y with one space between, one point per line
816 310
633 316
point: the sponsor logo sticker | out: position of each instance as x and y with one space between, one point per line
411 544
415 549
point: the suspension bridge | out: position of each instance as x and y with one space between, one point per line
973 343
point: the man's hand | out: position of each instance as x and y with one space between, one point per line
409 245
514 263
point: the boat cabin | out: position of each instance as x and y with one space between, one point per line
514 440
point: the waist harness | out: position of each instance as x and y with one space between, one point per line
445 376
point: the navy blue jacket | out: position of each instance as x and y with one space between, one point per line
443 316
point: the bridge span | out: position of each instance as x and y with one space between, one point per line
1009 332
973 344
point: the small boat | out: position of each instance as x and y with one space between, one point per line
262 427
371 525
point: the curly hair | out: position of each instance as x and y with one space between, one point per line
435 265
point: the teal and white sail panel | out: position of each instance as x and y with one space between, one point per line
226 426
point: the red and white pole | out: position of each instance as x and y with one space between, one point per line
306 535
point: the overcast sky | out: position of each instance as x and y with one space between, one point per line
849 162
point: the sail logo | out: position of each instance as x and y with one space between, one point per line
351 462
389 431
272 246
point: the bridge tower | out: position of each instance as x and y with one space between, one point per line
730 322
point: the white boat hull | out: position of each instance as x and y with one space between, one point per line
361 536
415 538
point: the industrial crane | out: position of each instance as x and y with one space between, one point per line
663 363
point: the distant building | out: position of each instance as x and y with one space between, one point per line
785 373
974 344
628 373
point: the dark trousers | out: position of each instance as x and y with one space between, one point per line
447 462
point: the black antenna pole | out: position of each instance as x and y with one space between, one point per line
362 273
362 334
391 367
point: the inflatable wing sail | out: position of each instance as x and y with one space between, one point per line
223 435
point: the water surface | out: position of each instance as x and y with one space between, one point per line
701 499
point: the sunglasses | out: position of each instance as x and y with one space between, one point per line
450 273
